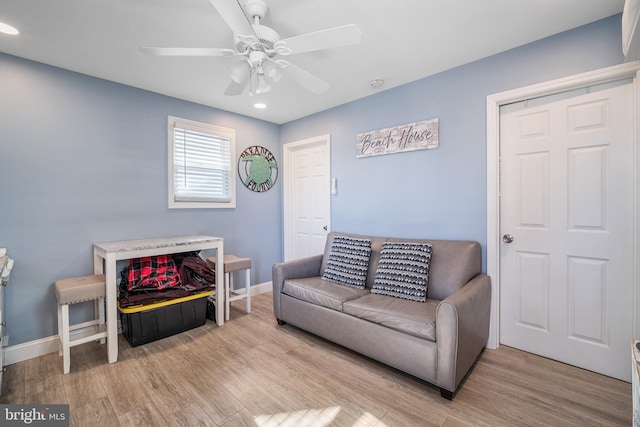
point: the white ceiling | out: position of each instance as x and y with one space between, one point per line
403 40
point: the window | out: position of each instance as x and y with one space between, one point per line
201 167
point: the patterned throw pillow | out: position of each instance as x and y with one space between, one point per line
348 261
403 270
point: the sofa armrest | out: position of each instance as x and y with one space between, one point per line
303 267
462 330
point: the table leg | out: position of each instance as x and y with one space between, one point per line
112 312
220 306
98 268
98 263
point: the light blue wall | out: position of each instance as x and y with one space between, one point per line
84 160
441 193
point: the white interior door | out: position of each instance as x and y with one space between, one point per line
566 278
307 196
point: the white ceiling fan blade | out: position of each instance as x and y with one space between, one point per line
324 39
187 51
232 13
235 89
305 79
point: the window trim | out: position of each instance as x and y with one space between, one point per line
220 131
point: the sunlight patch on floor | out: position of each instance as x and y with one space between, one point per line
367 420
313 418
306 417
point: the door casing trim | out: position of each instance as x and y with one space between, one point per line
629 70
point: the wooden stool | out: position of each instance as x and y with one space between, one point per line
232 264
75 290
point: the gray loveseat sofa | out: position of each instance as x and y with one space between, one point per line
437 340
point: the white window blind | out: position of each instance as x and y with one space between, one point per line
202 165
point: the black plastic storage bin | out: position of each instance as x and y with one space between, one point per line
146 323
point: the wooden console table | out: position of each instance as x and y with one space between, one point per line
106 254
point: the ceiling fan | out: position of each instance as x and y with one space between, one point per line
261 48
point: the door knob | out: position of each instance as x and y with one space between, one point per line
507 238
324 228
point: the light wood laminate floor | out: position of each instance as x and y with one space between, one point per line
252 372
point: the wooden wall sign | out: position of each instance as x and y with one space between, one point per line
409 137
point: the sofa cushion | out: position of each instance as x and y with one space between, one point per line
348 261
411 317
403 270
321 292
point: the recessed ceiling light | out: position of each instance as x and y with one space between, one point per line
260 105
8 29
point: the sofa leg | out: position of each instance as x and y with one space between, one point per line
446 394
281 322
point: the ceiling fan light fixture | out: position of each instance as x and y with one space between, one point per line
263 84
240 71
272 71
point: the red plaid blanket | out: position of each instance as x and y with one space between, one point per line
158 272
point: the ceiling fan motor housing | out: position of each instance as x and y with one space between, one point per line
266 38
255 10
266 35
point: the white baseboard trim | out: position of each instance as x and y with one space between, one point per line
261 288
32 349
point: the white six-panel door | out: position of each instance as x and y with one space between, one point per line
307 196
566 204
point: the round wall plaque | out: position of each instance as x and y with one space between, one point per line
257 168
